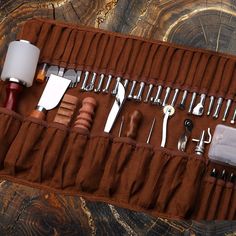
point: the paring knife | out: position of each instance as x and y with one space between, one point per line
52 94
119 101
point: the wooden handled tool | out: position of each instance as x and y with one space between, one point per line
41 74
12 93
66 110
85 118
19 70
134 122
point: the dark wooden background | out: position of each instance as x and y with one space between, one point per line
199 23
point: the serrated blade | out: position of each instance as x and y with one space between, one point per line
53 92
119 101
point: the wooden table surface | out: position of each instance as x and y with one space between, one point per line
199 23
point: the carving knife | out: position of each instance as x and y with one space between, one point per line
119 101
52 94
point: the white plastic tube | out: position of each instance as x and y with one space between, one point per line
21 62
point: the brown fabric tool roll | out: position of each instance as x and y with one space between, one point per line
122 171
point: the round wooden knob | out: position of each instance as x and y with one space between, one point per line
134 121
85 118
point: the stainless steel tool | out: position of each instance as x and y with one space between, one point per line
138 97
121 126
182 143
211 104
71 75
200 148
157 99
78 78
165 100
99 87
192 102
131 93
114 91
150 87
119 101
84 84
234 117
151 130
168 112
198 110
52 94
226 112
106 89
126 82
89 87
181 106
174 99
218 107
52 70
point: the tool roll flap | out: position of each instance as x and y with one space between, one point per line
120 170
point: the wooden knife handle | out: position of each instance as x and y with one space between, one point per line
38 114
12 93
134 121
66 110
85 118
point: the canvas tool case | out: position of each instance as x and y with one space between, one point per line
118 170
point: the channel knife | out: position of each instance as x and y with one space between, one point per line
119 100
52 94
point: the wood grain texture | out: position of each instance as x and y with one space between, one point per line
207 24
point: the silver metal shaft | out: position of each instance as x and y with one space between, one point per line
131 93
106 89
157 99
99 87
78 78
212 99
151 130
174 99
218 107
126 82
234 117
194 95
114 91
226 113
86 77
165 100
183 101
150 87
138 97
90 86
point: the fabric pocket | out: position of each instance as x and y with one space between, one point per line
224 206
232 209
135 175
215 199
66 172
205 197
93 164
119 157
20 155
186 196
151 189
47 155
10 123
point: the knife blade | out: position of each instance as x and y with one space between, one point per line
52 94
119 101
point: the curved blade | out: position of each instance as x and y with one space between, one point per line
119 100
